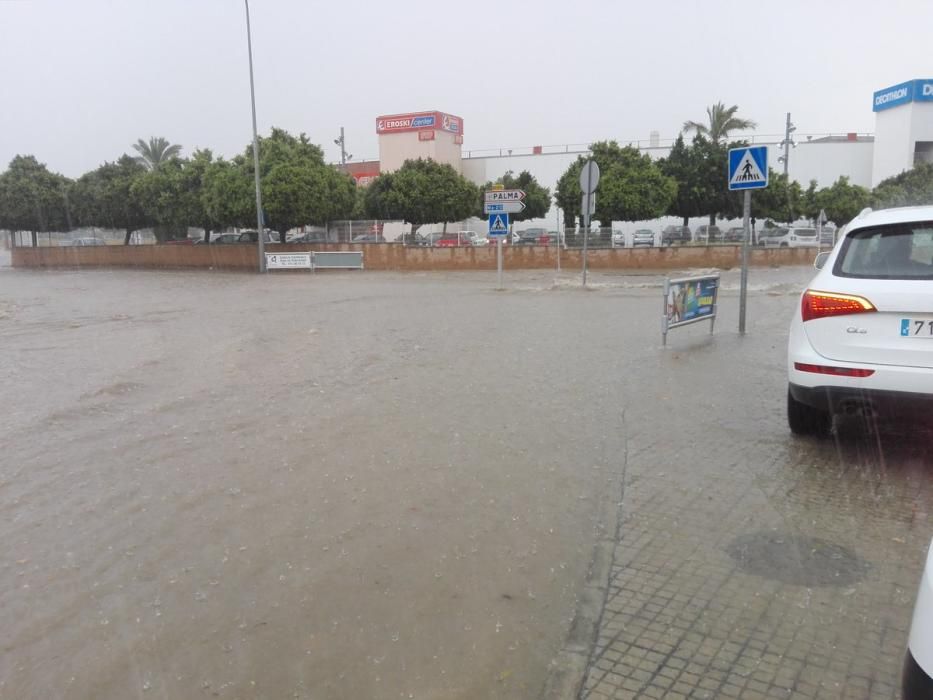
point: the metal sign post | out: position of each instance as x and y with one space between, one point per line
559 236
589 180
746 236
499 228
748 170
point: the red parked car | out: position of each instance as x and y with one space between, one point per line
455 240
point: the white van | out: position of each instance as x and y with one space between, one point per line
790 237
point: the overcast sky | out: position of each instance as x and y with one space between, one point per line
83 79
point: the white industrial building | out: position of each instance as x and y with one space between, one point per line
903 136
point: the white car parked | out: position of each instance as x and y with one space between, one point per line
918 666
792 237
861 340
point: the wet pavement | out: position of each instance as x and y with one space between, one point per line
385 485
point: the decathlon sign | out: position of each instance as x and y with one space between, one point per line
896 95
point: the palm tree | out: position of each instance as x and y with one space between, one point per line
722 122
156 152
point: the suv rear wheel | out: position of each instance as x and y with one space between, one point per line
806 420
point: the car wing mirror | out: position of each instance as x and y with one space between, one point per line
820 260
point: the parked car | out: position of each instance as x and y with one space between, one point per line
533 236
368 238
225 238
707 234
789 237
313 237
675 234
430 239
859 342
643 237
736 234
481 241
918 665
618 239
253 237
454 240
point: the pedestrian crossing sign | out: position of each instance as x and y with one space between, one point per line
498 224
748 168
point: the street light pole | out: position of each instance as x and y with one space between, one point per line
787 131
252 96
343 148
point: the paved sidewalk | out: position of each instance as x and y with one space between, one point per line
752 565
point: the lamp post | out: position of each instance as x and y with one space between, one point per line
252 95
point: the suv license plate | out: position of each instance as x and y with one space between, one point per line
916 328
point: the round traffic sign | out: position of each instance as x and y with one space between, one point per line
589 177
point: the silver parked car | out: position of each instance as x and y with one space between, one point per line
643 237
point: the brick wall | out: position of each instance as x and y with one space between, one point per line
389 256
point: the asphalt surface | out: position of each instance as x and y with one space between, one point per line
387 485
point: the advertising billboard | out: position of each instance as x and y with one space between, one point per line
416 121
689 300
902 93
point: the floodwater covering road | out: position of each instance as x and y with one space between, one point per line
355 485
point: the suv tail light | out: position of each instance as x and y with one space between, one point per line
822 304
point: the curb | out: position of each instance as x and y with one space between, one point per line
567 670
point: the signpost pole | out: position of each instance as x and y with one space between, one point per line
558 240
586 233
499 262
667 290
589 179
747 232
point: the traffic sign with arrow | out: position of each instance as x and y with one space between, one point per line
513 207
504 196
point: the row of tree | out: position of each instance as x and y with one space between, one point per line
158 189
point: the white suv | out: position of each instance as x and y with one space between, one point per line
918 666
861 340
791 237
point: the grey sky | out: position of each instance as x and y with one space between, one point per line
83 79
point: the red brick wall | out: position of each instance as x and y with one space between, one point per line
389 256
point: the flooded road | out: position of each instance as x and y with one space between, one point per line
375 485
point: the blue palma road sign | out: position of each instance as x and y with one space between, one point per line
748 168
498 224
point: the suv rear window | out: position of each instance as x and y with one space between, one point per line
897 251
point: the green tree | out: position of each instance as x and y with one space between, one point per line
911 187
155 152
105 197
720 122
228 194
32 198
695 189
779 200
841 201
537 198
172 196
297 186
299 192
631 186
282 147
422 192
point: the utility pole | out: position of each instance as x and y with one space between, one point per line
342 142
252 96
788 130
